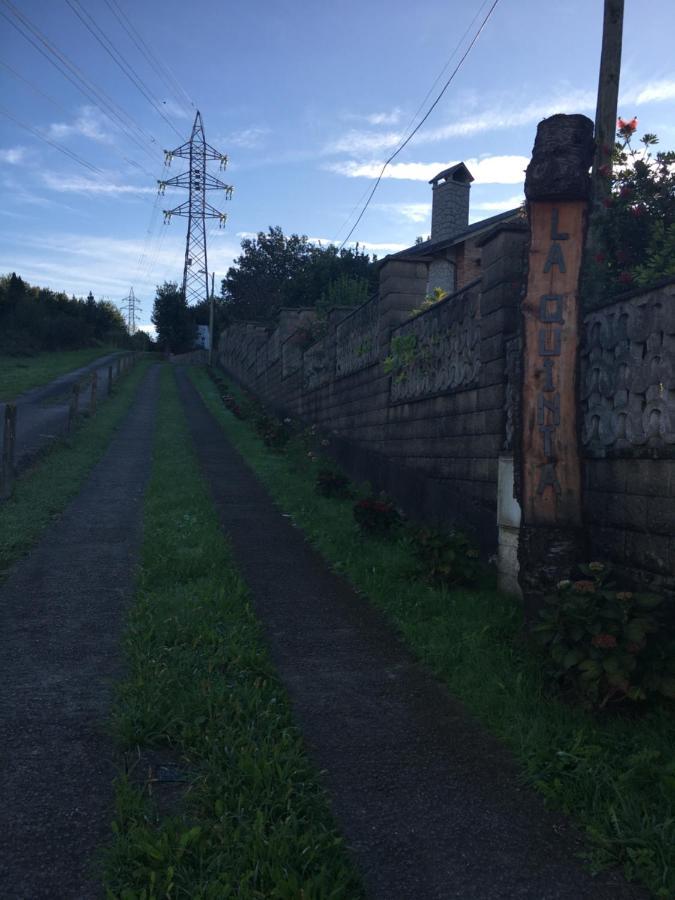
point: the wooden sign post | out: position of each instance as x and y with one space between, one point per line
557 189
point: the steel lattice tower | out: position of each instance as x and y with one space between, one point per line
128 307
196 209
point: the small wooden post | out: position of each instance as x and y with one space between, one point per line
8 450
94 387
110 379
557 187
73 406
119 364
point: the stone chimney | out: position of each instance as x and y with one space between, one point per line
450 202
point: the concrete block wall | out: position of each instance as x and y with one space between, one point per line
436 451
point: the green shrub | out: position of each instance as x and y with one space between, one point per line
377 517
330 483
446 559
606 646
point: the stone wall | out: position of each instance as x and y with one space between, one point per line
628 432
430 426
429 434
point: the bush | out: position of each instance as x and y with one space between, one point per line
446 559
376 517
604 645
332 484
274 433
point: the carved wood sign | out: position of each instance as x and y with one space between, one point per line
551 472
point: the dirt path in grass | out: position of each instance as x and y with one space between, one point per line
42 412
428 802
60 623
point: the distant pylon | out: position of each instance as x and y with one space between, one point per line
195 208
128 307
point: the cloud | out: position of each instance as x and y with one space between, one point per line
499 205
364 142
81 184
488 170
407 212
89 124
653 92
13 155
383 118
248 138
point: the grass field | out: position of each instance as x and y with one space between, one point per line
21 373
42 492
200 688
614 775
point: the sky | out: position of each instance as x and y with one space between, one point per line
306 99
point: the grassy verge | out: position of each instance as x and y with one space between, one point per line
21 373
42 491
614 775
200 687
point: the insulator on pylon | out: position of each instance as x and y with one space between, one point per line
168 156
162 186
167 216
223 161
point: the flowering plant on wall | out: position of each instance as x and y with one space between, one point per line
605 645
636 230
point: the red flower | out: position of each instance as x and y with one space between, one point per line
626 191
584 587
627 128
635 647
604 640
600 257
626 278
637 211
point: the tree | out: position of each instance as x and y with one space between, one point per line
172 320
275 271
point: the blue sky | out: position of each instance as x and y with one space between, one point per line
307 99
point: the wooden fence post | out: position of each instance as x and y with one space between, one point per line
110 379
73 406
557 187
8 450
94 387
119 362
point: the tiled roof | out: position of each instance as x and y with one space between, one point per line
428 247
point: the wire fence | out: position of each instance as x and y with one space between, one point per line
32 423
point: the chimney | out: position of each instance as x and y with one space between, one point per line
450 202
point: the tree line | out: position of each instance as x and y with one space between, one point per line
273 271
35 319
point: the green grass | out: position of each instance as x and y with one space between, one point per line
201 688
21 373
614 775
41 492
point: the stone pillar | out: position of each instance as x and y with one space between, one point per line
403 284
548 468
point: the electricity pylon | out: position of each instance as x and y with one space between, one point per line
196 209
128 307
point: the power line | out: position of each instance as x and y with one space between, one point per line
404 143
421 106
97 32
160 69
58 147
72 73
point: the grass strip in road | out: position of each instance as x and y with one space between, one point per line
21 373
201 688
614 775
42 491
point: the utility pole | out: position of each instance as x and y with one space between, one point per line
196 209
608 98
128 307
212 317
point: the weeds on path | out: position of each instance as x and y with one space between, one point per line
42 492
200 688
614 775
